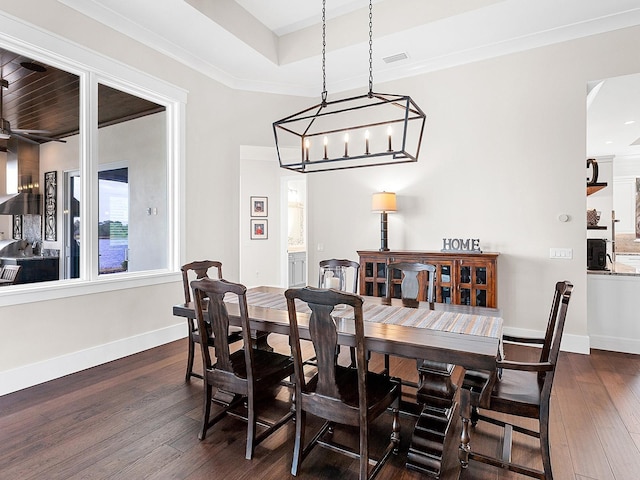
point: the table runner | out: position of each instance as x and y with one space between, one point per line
455 322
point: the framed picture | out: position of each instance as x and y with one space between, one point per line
17 227
259 206
259 229
50 206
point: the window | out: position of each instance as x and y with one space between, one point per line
113 220
117 187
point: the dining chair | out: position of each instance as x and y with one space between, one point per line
412 284
341 270
523 389
249 374
9 274
197 270
338 394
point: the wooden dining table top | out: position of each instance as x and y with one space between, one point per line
456 334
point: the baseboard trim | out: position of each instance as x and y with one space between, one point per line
570 343
615 344
40 372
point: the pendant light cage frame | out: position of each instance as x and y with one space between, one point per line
367 130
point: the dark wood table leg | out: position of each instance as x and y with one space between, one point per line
260 340
436 393
465 414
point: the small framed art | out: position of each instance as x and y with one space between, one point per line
259 229
259 206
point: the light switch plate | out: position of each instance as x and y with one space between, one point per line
561 253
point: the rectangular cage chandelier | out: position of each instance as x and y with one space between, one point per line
367 130
362 131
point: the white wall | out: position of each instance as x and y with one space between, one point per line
259 258
503 155
625 171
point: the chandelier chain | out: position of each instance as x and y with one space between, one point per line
324 49
370 48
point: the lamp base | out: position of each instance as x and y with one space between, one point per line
383 232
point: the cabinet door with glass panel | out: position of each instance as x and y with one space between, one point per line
473 278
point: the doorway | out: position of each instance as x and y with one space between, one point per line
294 230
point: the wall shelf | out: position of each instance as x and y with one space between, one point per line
594 187
596 227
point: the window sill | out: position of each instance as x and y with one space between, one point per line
37 292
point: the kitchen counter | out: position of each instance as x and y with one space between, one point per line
35 268
27 258
616 269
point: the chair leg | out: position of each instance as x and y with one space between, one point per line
299 441
251 427
190 357
544 441
206 410
364 451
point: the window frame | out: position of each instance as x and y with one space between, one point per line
92 68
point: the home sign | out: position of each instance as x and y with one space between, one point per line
461 245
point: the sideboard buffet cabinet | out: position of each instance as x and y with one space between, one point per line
461 278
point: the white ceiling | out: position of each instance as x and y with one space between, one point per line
275 45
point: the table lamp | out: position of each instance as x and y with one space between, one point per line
383 202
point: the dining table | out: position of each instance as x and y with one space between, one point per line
440 337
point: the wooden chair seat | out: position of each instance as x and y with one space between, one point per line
519 388
381 390
267 366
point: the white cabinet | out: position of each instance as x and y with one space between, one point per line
298 269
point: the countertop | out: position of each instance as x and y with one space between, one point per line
616 269
29 257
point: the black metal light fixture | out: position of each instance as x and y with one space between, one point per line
362 131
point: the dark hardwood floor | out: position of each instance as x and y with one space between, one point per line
136 418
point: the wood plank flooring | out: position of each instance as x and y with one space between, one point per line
136 418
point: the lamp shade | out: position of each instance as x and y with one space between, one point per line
383 202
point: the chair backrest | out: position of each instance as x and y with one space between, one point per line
324 337
410 285
211 314
10 272
201 270
338 269
555 327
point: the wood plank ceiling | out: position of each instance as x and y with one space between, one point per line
49 100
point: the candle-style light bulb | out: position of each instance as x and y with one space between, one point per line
389 132
307 144
346 144
326 142
366 142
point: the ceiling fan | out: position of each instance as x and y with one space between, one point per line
7 132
